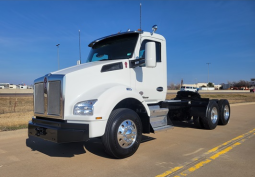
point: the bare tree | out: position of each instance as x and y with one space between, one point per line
177 86
171 86
241 83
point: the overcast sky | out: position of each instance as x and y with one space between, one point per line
197 32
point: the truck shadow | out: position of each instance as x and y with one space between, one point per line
184 124
53 149
94 146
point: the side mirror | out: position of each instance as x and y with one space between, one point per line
150 54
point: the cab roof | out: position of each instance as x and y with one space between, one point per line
127 32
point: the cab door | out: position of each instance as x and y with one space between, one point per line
151 82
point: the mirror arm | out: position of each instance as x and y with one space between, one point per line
137 62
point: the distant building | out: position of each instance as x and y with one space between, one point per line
23 86
217 87
252 83
4 85
195 85
203 86
226 86
12 86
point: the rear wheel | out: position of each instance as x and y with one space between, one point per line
224 110
210 121
123 133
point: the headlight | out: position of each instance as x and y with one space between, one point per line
84 107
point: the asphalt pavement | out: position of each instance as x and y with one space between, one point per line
181 151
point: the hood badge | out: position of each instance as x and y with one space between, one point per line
45 84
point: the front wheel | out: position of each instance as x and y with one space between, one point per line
123 133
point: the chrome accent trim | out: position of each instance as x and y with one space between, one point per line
226 112
118 34
127 134
154 29
158 116
172 101
214 115
52 114
163 128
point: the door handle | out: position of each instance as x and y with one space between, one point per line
160 89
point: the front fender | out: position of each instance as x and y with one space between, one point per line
108 96
111 97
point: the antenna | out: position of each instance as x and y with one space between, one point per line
58 55
80 44
141 16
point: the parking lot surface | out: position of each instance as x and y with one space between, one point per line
181 151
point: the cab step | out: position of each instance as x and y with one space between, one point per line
158 118
163 128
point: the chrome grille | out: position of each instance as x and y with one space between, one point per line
54 98
38 98
48 97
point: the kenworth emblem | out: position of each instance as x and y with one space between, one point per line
45 84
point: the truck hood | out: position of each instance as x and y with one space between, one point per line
88 82
84 66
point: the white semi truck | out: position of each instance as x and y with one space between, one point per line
118 94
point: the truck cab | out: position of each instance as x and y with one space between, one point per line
117 94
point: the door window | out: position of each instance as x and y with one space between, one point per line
158 50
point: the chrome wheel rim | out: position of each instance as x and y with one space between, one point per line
214 115
226 112
127 134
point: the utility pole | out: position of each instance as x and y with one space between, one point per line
208 75
58 55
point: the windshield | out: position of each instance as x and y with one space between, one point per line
118 47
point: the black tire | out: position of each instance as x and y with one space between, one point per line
224 112
198 122
116 140
210 121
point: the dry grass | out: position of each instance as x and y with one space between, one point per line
16 104
233 97
13 121
15 112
